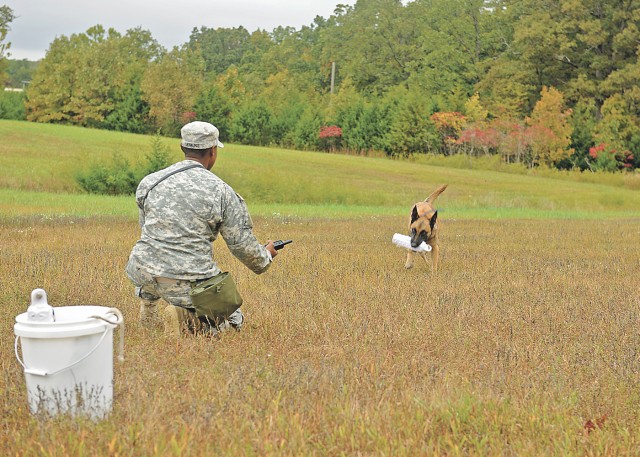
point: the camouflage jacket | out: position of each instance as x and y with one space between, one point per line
181 217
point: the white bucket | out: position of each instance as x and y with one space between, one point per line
68 364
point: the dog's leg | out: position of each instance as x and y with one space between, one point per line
409 263
424 257
435 257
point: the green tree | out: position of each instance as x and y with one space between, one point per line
254 66
454 38
618 129
253 124
12 105
232 86
583 122
20 72
220 48
305 132
158 157
214 106
287 103
130 112
379 45
52 89
620 111
348 116
6 17
412 131
298 54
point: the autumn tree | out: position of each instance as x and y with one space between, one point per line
506 89
55 92
130 112
549 129
448 125
474 111
170 86
85 78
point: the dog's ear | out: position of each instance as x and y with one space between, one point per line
414 214
432 222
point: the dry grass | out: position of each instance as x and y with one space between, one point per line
529 331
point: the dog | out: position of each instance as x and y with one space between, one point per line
423 226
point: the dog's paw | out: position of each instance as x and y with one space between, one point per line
408 265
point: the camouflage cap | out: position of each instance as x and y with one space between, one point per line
200 135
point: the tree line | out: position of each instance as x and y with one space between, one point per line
539 82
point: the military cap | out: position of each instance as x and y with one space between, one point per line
200 135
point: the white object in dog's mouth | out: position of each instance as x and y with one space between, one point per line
404 241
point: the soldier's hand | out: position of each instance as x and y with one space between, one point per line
271 249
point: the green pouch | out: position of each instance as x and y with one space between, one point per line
216 297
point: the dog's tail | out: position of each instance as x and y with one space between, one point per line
431 198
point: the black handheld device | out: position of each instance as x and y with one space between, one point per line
280 244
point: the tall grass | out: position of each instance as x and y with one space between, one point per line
525 343
528 332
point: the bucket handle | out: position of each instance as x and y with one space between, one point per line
119 321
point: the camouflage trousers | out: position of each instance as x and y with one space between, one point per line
150 289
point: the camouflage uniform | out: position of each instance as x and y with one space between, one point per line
180 219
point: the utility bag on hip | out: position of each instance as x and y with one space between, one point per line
216 297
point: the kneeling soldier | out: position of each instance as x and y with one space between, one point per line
182 209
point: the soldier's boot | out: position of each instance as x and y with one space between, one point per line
178 320
172 323
236 319
149 316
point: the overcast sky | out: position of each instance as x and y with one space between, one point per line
39 22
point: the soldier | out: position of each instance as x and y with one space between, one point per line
182 209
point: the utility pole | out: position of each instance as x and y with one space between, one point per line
333 75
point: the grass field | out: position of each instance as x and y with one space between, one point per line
42 160
525 343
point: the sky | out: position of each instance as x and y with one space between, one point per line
39 22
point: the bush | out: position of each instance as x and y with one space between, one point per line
158 158
330 137
119 177
115 179
305 132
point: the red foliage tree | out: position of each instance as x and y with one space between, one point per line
331 131
330 137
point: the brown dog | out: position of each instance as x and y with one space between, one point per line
424 227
